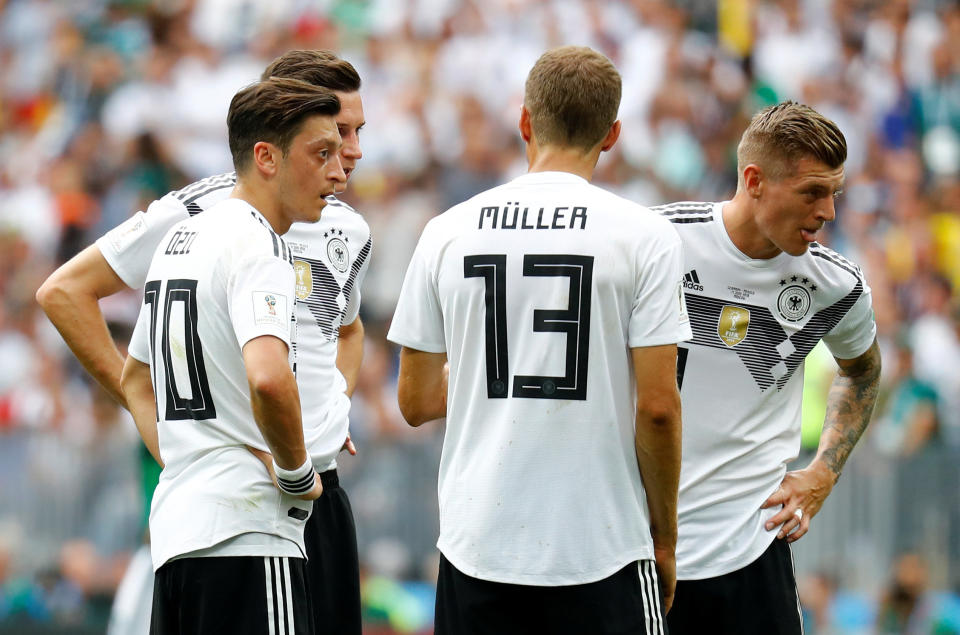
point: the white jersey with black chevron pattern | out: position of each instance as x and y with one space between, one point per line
754 322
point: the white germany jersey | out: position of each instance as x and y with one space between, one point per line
330 258
536 290
741 378
217 281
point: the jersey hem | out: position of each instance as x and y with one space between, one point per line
855 355
125 276
663 340
184 550
416 344
548 580
221 550
729 566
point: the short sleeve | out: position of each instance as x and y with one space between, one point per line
659 314
128 248
854 334
139 345
260 294
353 302
418 321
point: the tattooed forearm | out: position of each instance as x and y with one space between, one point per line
849 407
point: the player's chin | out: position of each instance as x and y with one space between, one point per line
318 209
797 247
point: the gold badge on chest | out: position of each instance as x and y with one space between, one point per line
304 284
733 324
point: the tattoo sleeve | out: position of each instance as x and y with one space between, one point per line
850 403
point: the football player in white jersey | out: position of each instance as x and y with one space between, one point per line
761 292
330 259
208 374
558 307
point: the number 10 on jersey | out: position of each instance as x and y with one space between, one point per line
574 321
180 351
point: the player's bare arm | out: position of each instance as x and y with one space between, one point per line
70 297
276 403
850 403
349 357
658 441
137 387
350 353
422 387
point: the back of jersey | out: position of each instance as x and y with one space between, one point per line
536 291
217 280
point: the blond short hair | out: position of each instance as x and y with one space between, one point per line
572 94
781 135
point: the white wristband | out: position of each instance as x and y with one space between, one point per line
298 481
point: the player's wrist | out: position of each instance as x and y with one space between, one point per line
827 472
295 482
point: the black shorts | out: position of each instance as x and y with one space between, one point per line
333 566
759 599
243 595
629 601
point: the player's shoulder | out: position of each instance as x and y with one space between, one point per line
335 205
833 265
629 219
344 214
339 226
201 195
633 209
458 218
241 230
686 213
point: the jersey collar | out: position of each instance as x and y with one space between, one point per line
550 177
242 205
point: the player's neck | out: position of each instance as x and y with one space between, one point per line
559 159
739 223
264 202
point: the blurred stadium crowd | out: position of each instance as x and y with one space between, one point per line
108 104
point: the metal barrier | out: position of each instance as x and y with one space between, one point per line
884 506
52 491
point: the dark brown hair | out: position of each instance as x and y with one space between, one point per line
779 136
315 66
572 94
273 110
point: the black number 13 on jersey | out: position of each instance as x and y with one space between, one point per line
574 321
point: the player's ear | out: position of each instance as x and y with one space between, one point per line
266 157
526 129
611 137
753 179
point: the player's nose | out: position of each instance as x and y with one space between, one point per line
827 211
351 148
335 171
